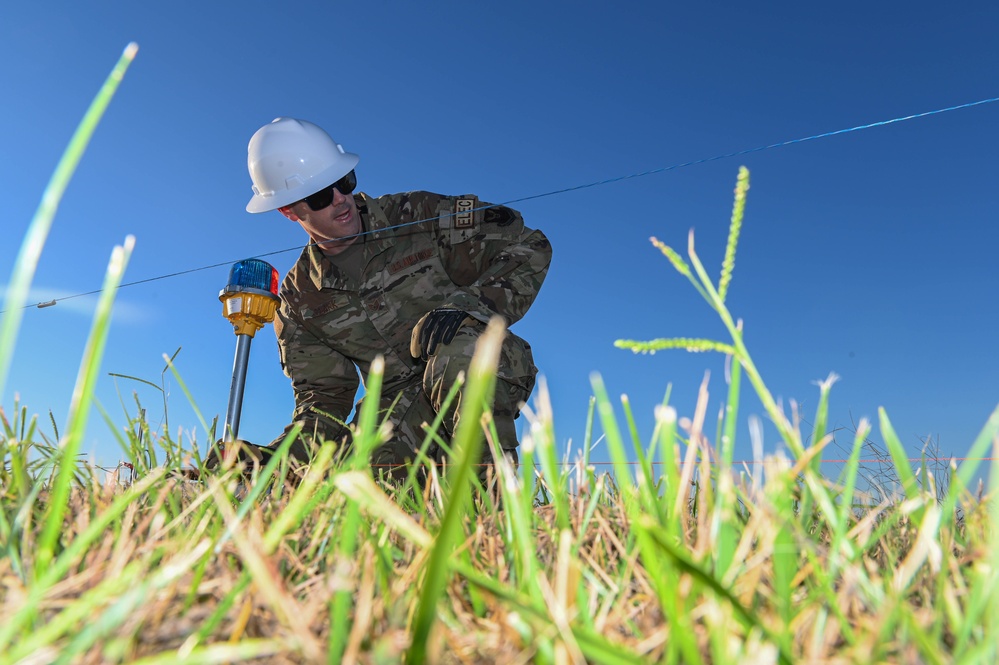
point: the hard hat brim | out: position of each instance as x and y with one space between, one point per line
279 199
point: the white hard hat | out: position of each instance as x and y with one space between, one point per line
290 159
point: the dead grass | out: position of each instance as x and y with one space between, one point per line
591 576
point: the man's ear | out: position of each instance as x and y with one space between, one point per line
289 213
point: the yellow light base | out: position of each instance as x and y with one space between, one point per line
248 312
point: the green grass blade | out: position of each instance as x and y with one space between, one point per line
993 618
671 459
135 378
41 223
588 440
901 460
645 480
518 535
785 551
468 443
615 442
847 505
723 520
818 434
342 601
979 449
367 436
365 439
80 406
543 435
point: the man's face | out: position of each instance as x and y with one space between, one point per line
334 227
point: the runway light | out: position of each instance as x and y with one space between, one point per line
250 298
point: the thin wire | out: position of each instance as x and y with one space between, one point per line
532 197
749 462
825 461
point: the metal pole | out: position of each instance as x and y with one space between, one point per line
231 430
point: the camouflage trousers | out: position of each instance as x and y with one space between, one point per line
412 407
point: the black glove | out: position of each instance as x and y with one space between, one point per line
243 451
436 327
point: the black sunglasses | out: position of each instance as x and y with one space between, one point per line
324 197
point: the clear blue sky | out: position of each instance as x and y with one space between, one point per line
871 255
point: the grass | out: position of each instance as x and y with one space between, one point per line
685 560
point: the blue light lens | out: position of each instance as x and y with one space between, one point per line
252 274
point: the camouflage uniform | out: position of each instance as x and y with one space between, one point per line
335 319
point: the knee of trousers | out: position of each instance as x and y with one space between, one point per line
515 373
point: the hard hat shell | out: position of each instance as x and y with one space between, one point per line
290 159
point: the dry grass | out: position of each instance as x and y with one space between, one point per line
178 577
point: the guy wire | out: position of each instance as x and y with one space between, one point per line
565 190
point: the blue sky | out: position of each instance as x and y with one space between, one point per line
871 255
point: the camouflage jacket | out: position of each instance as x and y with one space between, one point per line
330 326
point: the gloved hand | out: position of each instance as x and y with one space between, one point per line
242 451
436 327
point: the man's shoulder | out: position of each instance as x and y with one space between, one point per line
410 204
404 209
412 195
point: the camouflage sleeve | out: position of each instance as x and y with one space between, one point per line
325 381
498 263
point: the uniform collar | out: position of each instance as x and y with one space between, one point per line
323 273
373 218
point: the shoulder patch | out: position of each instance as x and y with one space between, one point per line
501 216
458 218
463 215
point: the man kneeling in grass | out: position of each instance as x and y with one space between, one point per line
412 277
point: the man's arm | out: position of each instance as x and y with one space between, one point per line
325 381
499 264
